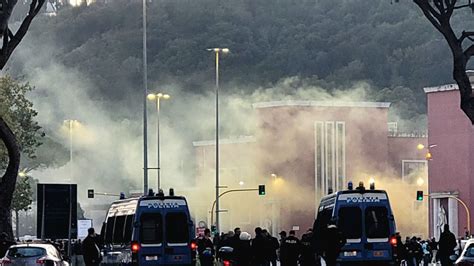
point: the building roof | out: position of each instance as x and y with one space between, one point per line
448 87
237 140
321 104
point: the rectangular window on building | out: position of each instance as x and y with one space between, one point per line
319 160
329 157
413 170
340 154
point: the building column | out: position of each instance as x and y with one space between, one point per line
435 229
453 218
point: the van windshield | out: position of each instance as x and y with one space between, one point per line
177 228
151 231
376 222
350 222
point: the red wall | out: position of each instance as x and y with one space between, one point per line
450 170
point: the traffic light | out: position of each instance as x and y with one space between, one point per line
214 229
90 193
261 190
419 195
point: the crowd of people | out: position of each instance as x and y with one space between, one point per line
415 251
265 249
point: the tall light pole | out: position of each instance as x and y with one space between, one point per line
217 51
70 123
145 94
158 97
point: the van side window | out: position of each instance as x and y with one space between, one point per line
376 222
118 229
350 222
151 231
324 217
109 230
127 236
177 228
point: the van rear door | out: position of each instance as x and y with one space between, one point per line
350 222
177 249
151 238
377 232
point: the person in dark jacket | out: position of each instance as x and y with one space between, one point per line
272 245
434 250
5 244
91 249
334 241
401 251
258 249
235 239
447 243
307 257
206 249
414 252
290 250
243 250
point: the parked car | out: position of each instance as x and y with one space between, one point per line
33 255
467 255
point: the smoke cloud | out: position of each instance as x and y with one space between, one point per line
107 139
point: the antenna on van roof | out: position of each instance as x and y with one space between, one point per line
171 192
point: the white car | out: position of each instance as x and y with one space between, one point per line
467 255
33 255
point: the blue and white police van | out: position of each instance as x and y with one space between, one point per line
149 230
366 220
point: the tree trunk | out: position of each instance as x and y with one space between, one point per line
8 181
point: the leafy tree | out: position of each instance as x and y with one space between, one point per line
22 198
18 112
440 14
10 41
20 133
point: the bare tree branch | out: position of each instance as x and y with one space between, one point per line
429 13
14 39
466 35
426 6
469 52
441 21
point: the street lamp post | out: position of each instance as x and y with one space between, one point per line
70 123
157 97
145 91
217 51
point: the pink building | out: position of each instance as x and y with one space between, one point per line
301 151
451 137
